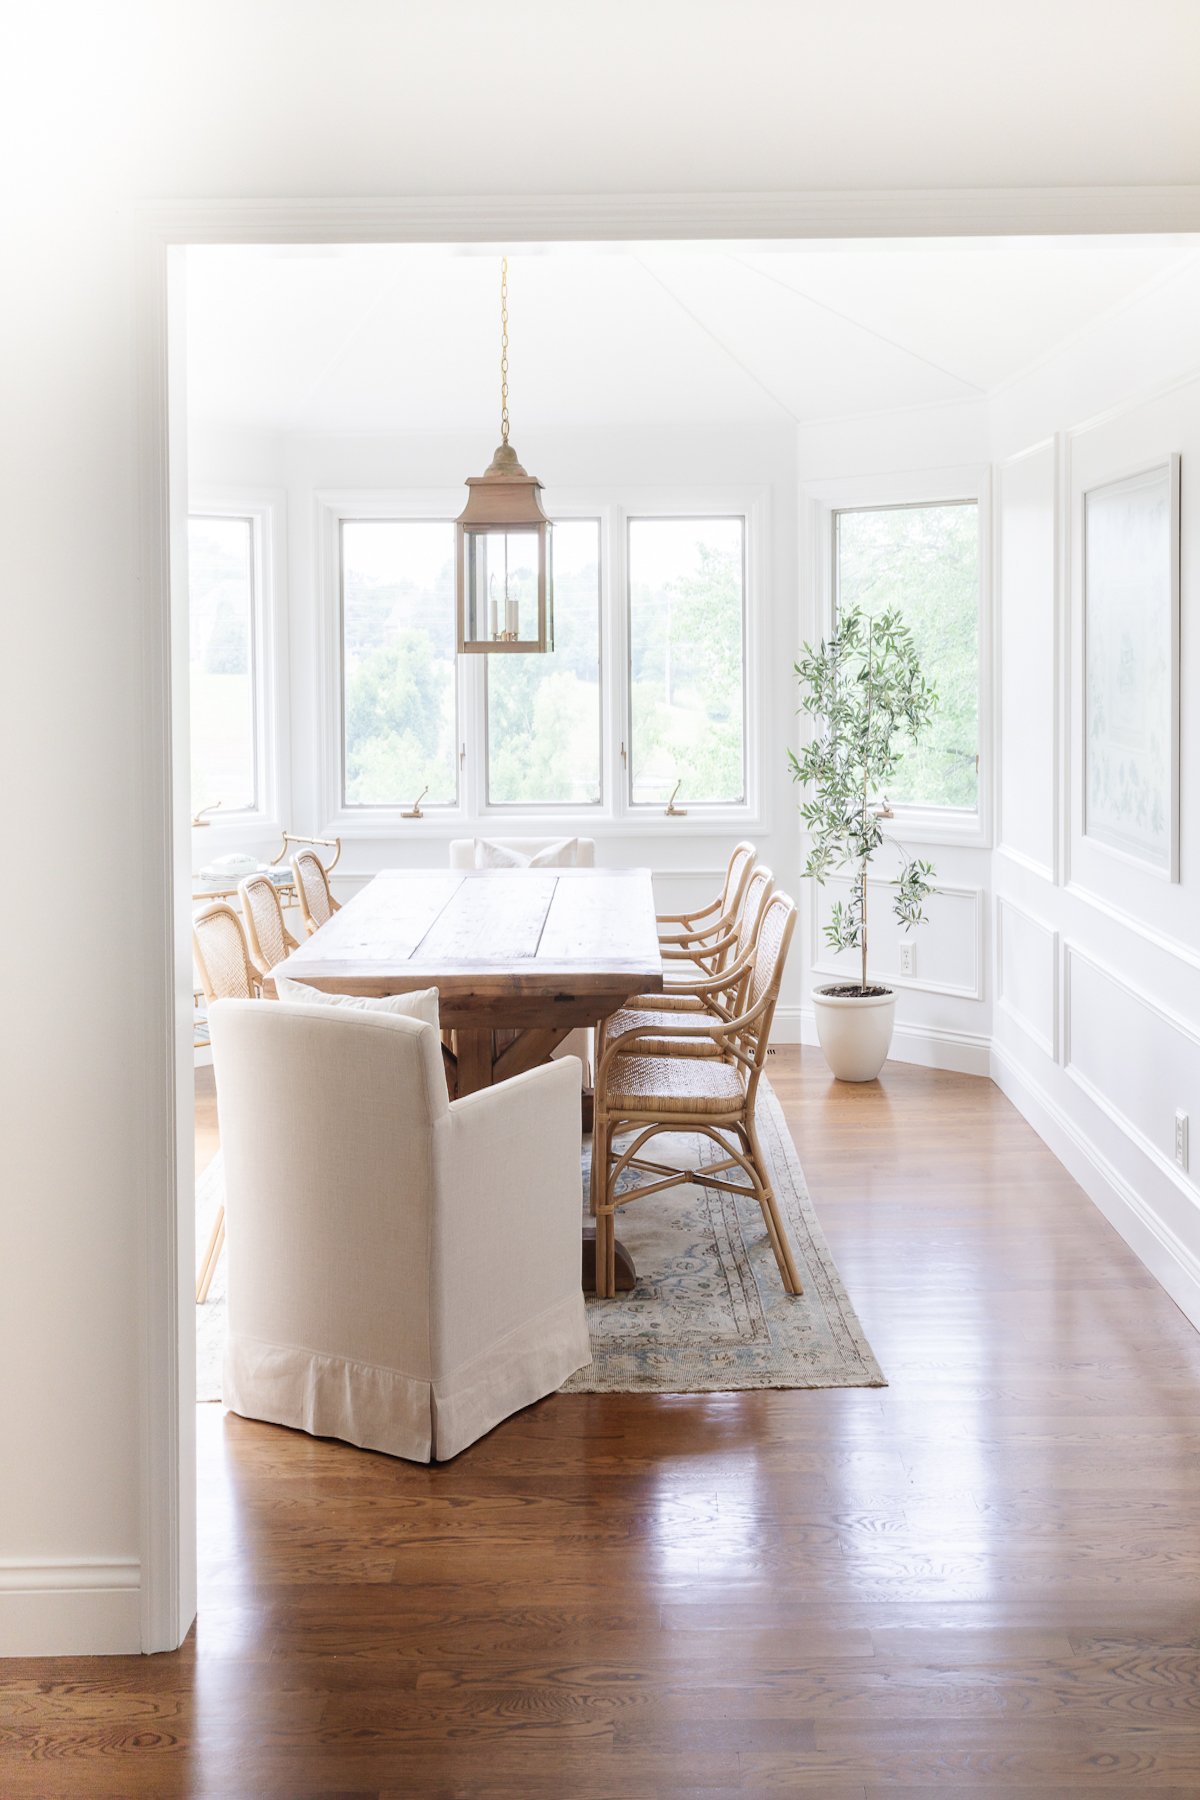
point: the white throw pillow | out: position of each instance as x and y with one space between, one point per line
562 854
421 1004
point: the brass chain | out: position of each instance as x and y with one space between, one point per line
504 350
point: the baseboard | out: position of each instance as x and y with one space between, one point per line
88 1608
1174 1266
963 1052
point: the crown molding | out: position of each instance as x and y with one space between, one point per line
746 217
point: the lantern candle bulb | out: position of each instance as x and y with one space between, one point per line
511 618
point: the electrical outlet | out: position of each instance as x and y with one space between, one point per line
906 959
1181 1139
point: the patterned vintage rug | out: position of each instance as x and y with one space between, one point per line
709 1313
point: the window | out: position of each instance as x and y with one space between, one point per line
398 662
222 629
687 586
572 731
924 559
543 711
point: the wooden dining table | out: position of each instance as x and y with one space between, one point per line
520 959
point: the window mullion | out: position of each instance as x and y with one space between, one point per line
472 737
617 711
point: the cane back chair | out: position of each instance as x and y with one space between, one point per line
644 1094
222 957
267 935
315 897
702 941
713 996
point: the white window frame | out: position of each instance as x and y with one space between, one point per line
266 510
925 487
432 505
613 508
706 808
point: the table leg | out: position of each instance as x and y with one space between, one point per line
474 1052
626 1274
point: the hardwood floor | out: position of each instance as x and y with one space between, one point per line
982 1581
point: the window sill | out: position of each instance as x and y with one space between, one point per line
936 825
236 828
447 823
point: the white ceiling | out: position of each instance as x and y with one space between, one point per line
401 338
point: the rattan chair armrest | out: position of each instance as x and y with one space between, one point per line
620 1045
688 918
722 927
705 947
721 981
670 953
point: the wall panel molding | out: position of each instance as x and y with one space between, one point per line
1172 1262
971 988
1043 871
1006 995
1149 934
1012 591
1115 1104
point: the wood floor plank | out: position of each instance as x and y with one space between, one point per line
982 1581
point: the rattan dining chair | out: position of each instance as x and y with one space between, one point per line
267 935
711 996
702 940
226 973
315 897
222 957
646 1094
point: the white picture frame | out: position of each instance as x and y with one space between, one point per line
1130 551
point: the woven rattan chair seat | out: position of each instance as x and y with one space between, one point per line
683 1085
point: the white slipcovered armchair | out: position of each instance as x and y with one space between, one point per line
403 1272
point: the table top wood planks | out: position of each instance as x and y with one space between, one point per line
507 949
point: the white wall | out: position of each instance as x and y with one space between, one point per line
119 103
1097 1023
943 1009
688 854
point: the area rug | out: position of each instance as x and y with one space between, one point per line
709 1313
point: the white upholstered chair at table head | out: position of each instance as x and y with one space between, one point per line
403 1270
541 853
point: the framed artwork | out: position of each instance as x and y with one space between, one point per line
1131 667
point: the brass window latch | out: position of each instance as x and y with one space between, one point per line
672 811
414 811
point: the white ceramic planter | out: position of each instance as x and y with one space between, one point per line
855 1032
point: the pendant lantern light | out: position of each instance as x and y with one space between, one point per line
505 579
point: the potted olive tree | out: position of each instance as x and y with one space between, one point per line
864 691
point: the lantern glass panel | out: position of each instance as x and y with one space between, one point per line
502 576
